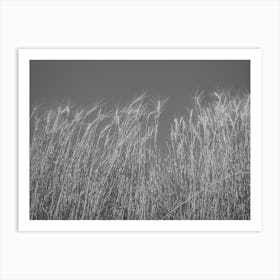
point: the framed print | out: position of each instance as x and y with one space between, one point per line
139 140
117 156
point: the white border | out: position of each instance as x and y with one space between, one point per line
254 55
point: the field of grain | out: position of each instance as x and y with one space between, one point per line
98 164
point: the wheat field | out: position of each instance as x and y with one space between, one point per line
94 163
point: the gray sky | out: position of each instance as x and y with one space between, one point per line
83 82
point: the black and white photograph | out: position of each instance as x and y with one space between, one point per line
140 139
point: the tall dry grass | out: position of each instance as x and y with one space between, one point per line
98 164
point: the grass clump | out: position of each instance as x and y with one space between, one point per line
100 164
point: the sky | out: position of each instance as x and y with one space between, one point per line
116 82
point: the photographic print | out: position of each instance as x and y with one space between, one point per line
141 137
